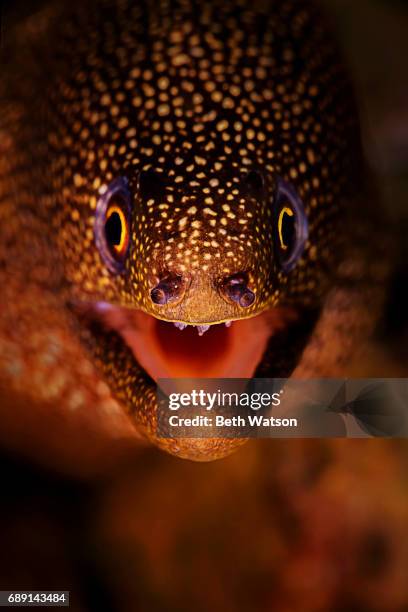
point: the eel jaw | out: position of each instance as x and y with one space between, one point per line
132 350
226 349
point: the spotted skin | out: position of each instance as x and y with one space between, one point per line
201 101
190 103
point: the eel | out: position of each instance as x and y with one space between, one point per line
183 192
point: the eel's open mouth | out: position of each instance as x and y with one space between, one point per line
179 350
133 350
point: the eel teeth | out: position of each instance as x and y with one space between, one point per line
180 326
201 329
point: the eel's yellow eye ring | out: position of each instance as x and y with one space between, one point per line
112 225
291 226
286 215
117 230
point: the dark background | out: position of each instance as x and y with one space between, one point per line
288 526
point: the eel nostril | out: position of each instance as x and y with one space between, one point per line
236 289
247 298
158 296
167 290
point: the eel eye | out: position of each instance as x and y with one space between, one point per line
112 225
291 226
117 230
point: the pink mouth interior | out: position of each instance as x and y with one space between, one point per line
222 352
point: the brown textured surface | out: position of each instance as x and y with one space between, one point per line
289 526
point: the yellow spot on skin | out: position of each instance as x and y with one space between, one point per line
163 110
311 156
180 59
222 125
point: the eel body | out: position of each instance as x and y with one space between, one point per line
187 163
